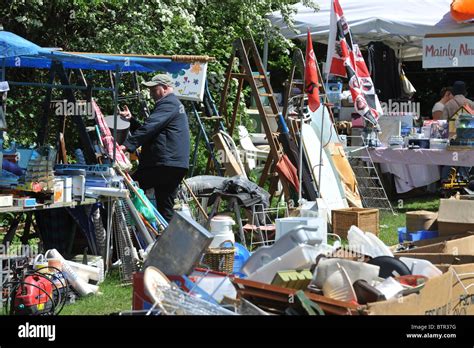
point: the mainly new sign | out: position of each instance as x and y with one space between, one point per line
448 51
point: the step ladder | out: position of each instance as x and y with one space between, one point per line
370 186
246 52
298 66
205 113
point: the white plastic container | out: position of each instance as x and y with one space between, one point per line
6 200
77 282
67 189
285 225
298 258
221 228
58 190
87 272
265 254
78 186
355 270
421 267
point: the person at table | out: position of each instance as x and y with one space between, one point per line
459 100
446 95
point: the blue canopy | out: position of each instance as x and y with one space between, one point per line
18 52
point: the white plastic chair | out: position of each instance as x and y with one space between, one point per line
252 153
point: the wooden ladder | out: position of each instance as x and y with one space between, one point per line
246 51
206 113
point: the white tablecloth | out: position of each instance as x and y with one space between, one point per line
460 158
418 167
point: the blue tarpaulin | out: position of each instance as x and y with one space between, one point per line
18 52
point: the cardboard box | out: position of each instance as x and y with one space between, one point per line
448 294
461 246
441 259
434 299
421 220
462 300
455 216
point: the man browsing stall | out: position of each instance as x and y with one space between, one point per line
164 139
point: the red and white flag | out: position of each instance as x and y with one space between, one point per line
345 59
311 83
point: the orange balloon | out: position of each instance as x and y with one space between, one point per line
462 10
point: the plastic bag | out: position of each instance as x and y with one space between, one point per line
407 87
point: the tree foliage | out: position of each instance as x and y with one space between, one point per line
199 27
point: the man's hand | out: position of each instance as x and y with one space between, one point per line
123 148
125 114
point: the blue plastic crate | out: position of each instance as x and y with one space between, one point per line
404 236
420 235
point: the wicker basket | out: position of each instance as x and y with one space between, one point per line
220 259
366 219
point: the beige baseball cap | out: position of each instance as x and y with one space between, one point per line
160 79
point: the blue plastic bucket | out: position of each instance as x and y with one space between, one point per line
240 257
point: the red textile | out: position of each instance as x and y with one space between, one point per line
311 82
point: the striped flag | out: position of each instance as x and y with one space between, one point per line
346 60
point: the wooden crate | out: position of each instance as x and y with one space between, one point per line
366 219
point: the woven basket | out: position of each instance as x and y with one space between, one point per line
220 259
366 219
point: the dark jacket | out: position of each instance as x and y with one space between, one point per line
164 136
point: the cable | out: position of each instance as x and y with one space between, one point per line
12 296
64 282
56 305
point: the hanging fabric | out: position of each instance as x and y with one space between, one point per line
311 83
385 72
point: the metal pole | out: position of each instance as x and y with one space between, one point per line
3 74
300 174
265 52
322 130
58 86
116 92
110 212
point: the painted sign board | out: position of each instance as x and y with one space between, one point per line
448 51
189 83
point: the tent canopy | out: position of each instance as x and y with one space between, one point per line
401 24
16 51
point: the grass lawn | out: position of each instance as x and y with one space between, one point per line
389 223
116 297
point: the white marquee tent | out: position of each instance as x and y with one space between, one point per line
401 24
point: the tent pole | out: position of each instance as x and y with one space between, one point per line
300 174
3 74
